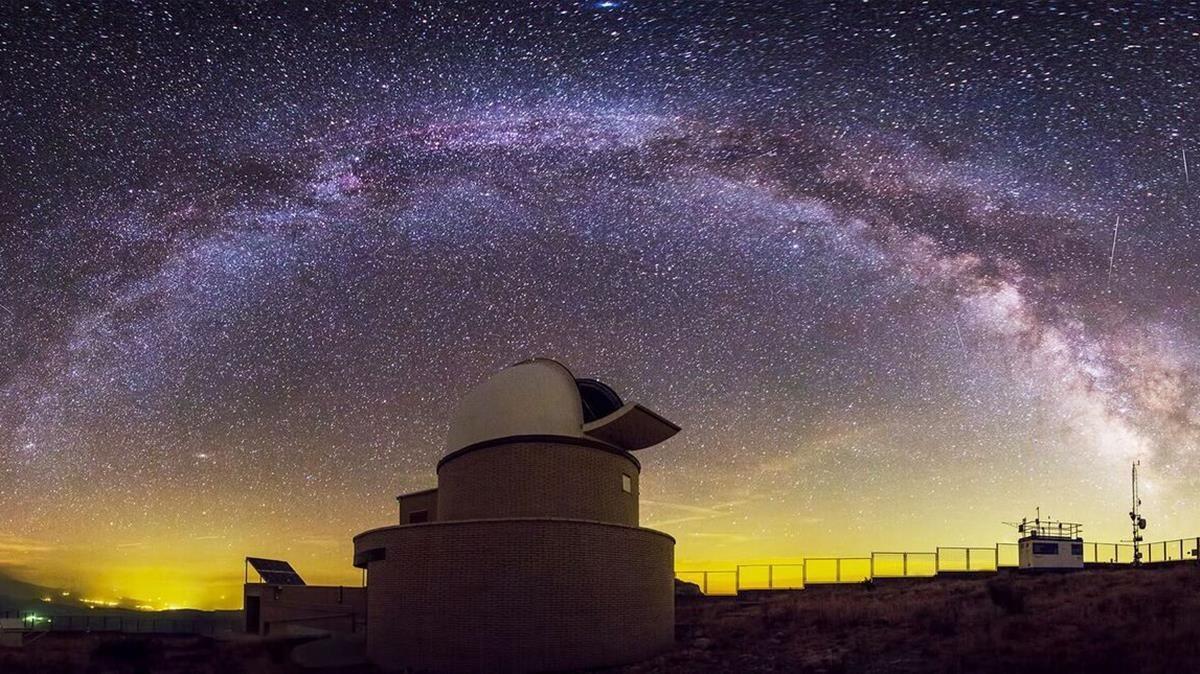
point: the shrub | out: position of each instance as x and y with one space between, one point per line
1007 595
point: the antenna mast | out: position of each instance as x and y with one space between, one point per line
1136 520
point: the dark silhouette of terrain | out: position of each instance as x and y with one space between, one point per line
14 592
1123 620
1120 620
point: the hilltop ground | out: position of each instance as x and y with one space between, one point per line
1126 620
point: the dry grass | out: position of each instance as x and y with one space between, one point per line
1127 621
1092 621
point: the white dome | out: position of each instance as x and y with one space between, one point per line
537 397
542 397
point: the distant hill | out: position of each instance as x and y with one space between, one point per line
18 591
18 595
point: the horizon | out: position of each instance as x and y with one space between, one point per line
901 275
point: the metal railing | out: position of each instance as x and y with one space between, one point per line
770 576
903 564
833 570
133 624
724 580
960 559
914 564
1175 550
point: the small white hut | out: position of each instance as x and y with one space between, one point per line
1049 545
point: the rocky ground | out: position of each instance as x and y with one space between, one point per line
1128 620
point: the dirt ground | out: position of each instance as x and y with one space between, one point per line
1127 621
1131 620
112 653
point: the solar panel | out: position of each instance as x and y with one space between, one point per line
275 571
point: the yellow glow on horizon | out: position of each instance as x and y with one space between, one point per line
191 554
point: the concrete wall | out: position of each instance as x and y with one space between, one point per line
517 595
539 479
333 608
417 501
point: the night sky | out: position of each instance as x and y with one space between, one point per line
901 271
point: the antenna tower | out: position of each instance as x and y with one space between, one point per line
1135 517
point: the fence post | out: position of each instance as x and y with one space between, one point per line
839 569
804 573
771 574
904 565
968 559
737 579
937 560
705 582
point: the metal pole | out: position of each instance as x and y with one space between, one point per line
771 572
904 565
737 578
839 569
705 582
968 559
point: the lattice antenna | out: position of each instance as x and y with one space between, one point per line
1137 522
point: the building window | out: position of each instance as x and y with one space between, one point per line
418 516
1077 549
1045 548
626 484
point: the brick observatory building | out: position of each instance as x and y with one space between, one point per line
528 554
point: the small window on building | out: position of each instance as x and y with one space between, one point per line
1077 549
1045 548
418 516
626 484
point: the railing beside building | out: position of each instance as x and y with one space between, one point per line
953 559
915 564
770 576
723 581
132 623
1175 550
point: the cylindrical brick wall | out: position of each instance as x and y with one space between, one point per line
539 479
517 595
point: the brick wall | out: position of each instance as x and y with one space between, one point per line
338 609
521 594
417 501
539 479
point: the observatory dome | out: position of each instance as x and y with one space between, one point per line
541 398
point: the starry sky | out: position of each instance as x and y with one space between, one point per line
901 271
